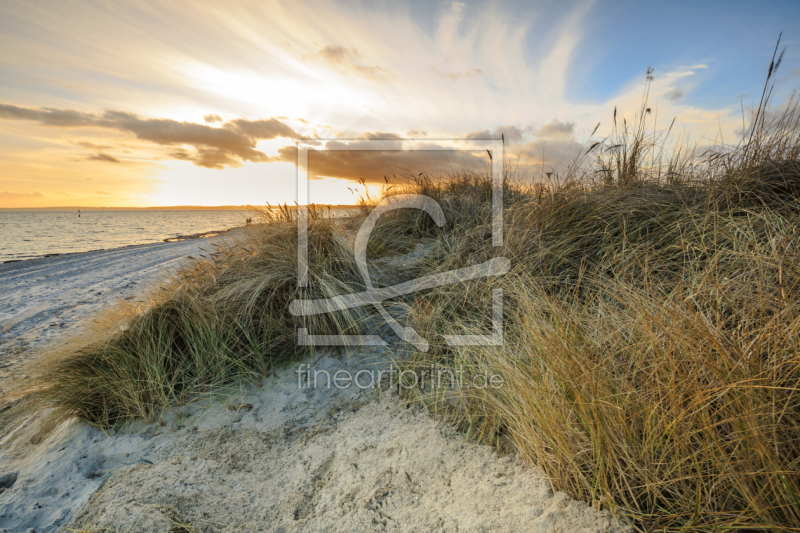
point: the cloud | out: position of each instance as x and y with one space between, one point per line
212 118
512 134
416 133
357 163
214 147
104 157
348 61
211 158
15 194
556 129
262 129
93 146
65 118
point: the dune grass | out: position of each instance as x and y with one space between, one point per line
651 361
223 318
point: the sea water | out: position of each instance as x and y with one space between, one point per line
25 234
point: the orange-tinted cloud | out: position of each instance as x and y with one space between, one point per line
213 147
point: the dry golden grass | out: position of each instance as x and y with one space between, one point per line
651 358
220 320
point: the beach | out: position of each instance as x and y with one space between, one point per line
49 296
279 455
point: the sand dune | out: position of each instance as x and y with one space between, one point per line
280 456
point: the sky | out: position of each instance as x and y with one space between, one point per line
139 103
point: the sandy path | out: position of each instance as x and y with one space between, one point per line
284 456
40 298
376 466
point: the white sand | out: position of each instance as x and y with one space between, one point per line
376 467
41 298
279 457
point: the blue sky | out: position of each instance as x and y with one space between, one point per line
733 38
152 103
622 37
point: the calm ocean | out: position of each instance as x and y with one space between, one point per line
34 233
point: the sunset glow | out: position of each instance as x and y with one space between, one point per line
146 104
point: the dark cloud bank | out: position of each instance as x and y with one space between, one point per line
211 147
232 142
